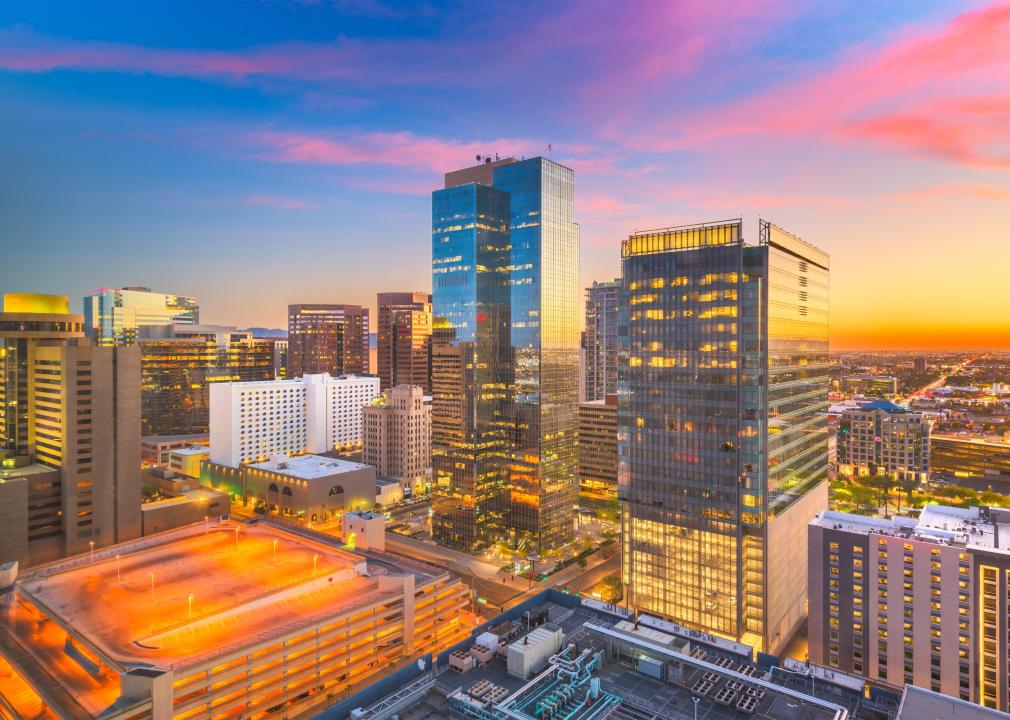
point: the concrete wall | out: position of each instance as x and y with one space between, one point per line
168 514
14 520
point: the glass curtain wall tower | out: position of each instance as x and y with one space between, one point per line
505 350
722 421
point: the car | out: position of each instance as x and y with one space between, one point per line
260 509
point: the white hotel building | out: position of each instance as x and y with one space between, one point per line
254 421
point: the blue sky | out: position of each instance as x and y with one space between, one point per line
259 154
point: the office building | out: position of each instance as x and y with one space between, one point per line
598 450
27 321
723 419
157 449
921 601
471 364
976 461
397 437
881 437
919 364
177 371
600 340
255 421
404 339
219 620
78 487
327 339
505 253
882 386
279 347
122 316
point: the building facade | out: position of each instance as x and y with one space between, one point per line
255 421
600 340
980 462
598 450
404 339
882 386
920 601
311 487
505 255
883 437
75 485
397 436
723 454
177 371
122 316
327 339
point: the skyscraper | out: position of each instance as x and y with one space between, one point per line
505 254
404 339
327 339
396 436
122 316
70 477
722 423
600 341
471 364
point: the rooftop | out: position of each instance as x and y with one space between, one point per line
943 524
309 467
192 450
921 704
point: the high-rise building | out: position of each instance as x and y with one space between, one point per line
919 364
397 436
404 339
471 364
600 340
27 321
723 401
505 253
921 601
327 339
255 421
70 477
122 316
177 371
880 436
598 449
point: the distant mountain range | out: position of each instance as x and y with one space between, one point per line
267 332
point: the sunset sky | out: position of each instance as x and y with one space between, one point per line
260 154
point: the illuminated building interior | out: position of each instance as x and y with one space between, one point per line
218 621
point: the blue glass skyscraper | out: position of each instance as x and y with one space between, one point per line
505 345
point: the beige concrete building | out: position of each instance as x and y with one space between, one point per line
598 449
880 436
921 601
311 486
397 436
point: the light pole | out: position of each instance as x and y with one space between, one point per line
92 544
696 700
206 524
315 558
152 586
236 537
119 578
191 607
275 551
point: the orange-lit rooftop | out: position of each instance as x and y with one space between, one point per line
181 600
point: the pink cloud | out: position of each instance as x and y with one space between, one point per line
937 92
986 192
396 149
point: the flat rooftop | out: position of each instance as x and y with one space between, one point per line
921 704
309 467
936 523
193 450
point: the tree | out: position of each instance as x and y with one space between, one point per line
908 485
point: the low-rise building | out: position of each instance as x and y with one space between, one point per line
879 436
187 460
157 449
870 385
919 601
313 487
976 461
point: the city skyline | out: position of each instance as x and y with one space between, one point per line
295 146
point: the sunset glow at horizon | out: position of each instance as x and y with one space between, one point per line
259 155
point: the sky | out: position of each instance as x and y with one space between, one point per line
260 154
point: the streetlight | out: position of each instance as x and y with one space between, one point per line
696 700
206 524
92 544
119 578
275 550
236 537
191 607
152 586
314 559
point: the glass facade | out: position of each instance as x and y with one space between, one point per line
471 368
599 342
505 305
124 316
722 418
